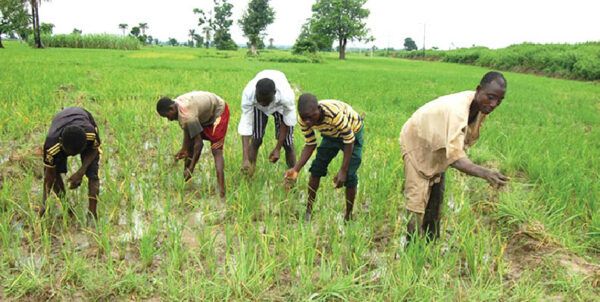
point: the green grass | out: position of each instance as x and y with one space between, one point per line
158 238
573 61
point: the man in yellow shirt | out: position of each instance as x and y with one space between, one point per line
435 137
341 129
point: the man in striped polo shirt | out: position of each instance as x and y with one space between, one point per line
341 129
73 131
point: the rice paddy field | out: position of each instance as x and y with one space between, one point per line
158 238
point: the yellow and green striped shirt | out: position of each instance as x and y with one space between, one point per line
339 120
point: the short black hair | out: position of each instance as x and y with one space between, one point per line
265 87
307 103
73 138
493 76
164 104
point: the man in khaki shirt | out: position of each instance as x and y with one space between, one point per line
202 116
435 137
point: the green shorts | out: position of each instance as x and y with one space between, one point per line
329 148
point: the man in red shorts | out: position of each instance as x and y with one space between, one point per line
202 116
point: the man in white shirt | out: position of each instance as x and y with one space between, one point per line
269 93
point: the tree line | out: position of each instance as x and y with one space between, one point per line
338 21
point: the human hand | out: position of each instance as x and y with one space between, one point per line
187 175
274 156
75 180
181 154
496 179
340 179
291 174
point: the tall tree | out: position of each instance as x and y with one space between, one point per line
271 43
308 32
143 27
191 34
35 18
222 24
208 22
409 44
13 17
123 27
255 20
199 40
342 20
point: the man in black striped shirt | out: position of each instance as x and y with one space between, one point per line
73 131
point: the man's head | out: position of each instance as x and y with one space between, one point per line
265 91
490 91
167 108
308 109
73 140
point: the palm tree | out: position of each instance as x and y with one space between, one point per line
143 27
36 22
123 27
207 30
192 34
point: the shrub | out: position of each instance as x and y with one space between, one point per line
105 41
304 46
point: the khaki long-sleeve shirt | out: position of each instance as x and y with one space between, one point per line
438 133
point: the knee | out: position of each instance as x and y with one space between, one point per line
256 142
288 148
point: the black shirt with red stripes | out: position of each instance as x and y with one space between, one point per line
75 116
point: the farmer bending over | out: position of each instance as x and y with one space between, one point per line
202 116
341 129
269 93
437 136
73 131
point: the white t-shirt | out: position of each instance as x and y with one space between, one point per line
282 103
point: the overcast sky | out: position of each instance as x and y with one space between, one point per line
448 24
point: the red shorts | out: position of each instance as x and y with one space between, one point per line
216 132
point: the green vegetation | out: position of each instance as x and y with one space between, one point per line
157 238
104 41
578 61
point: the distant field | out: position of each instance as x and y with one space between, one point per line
571 61
158 238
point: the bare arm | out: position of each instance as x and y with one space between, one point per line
342 175
49 179
307 151
283 133
198 144
75 180
493 177
90 155
245 145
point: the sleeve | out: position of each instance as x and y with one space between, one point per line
193 127
247 118
50 153
309 134
341 123
288 101
92 137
